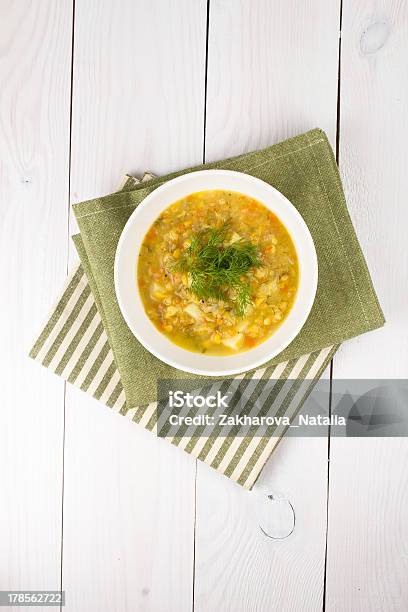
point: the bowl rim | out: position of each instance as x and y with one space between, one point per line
307 297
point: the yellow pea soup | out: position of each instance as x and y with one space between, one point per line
217 272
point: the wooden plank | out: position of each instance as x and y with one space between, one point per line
34 141
138 91
129 498
270 76
128 514
272 73
367 562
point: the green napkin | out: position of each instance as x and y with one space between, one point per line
304 170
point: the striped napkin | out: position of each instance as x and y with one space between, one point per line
73 344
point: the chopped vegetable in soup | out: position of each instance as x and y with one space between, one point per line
217 272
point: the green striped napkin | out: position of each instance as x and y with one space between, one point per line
87 342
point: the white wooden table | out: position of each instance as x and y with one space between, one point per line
90 502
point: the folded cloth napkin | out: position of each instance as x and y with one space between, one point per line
87 341
304 170
74 345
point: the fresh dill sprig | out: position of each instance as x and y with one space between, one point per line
216 269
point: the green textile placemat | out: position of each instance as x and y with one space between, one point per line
304 170
73 344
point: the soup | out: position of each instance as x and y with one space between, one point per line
217 272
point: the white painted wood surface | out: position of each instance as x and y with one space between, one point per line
255 98
367 565
35 60
144 528
138 104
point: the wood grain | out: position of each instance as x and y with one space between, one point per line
138 90
368 538
35 62
269 77
138 105
128 514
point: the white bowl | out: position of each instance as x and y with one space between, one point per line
130 301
